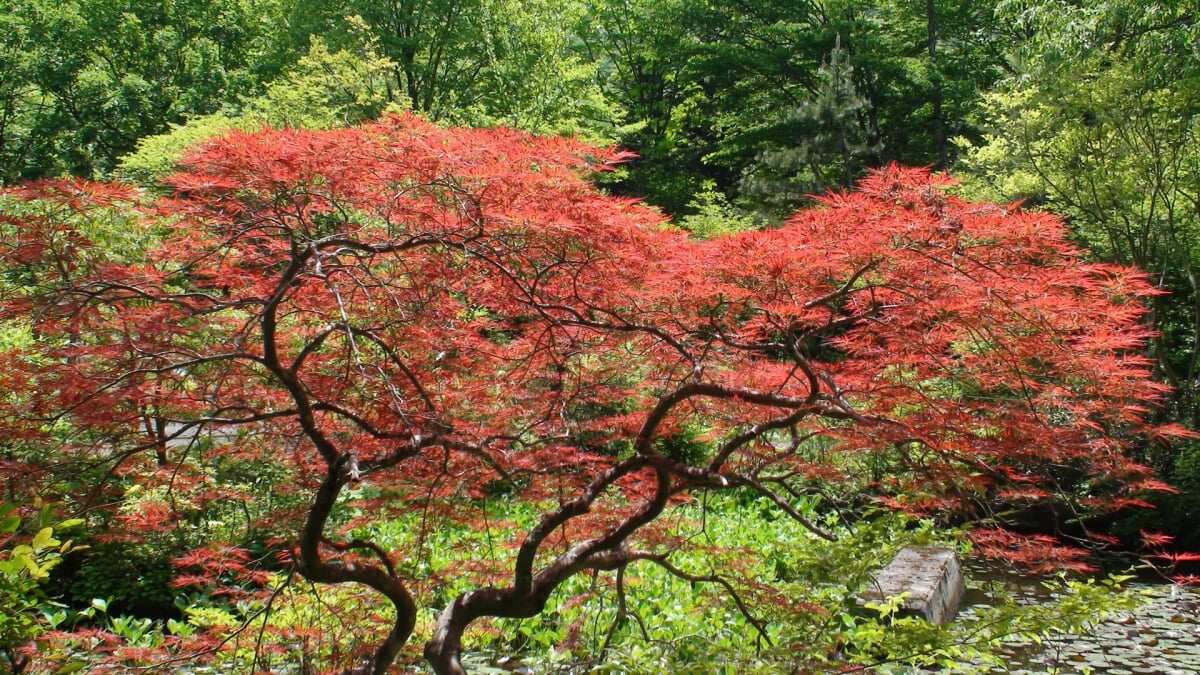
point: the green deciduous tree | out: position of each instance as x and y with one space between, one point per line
324 89
1100 125
85 79
477 62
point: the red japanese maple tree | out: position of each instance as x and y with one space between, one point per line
422 309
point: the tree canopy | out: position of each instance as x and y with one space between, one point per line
385 315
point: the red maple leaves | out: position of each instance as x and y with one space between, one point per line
432 309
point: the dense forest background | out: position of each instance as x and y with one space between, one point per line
737 112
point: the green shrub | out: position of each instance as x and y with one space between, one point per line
25 564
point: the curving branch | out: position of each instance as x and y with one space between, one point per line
528 595
317 569
530 590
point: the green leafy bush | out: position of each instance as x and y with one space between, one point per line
25 564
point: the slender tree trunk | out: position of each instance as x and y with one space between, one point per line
935 78
530 590
318 570
444 649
